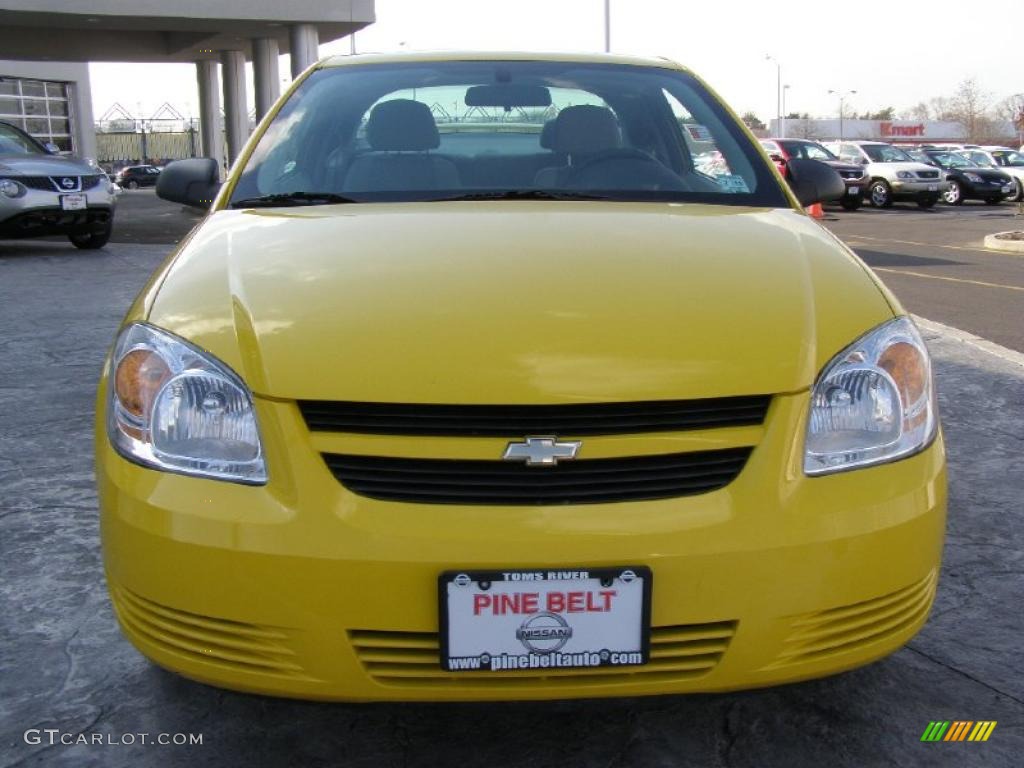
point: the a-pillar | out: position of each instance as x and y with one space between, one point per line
266 77
236 117
211 143
304 42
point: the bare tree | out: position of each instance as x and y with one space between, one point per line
969 106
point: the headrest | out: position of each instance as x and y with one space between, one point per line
402 125
585 129
547 135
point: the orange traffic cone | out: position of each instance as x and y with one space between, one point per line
816 211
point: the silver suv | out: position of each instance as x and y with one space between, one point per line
42 193
893 174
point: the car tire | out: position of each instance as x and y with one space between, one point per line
954 195
90 241
1019 194
132 184
927 202
880 193
852 203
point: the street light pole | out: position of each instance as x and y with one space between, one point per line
607 26
842 97
778 92
782 126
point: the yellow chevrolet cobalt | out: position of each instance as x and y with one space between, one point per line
498 376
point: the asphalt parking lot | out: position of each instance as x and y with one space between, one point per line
65 665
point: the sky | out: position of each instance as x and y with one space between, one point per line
891 54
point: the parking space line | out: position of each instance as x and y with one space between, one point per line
949 279
929 245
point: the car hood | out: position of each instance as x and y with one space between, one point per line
44 165
903 165
517 302
839 165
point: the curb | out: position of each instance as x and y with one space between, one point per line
990 347
995 243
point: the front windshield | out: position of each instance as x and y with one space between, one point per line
491 129
14 142
949 160
1015 159
807 150
886 153
979 159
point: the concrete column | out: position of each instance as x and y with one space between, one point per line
305 47
210 143
266 77
236 117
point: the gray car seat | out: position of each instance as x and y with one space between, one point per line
400 133
578 132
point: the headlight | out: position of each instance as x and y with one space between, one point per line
904 175
974 177
873 403
10 188
173 407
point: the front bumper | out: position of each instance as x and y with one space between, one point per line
38 213
988 189
301 588
916 189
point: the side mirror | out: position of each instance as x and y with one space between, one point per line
814 182
52 148
777 158
192 182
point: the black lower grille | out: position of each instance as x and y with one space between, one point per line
582 481
928 174
520 420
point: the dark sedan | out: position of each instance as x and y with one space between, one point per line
968 181
855 177
135 176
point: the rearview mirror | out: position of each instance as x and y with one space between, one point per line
508 96
814 182
193 182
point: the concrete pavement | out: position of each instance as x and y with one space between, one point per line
64 664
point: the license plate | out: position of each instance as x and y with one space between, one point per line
73 202
494 621
853 190
933 187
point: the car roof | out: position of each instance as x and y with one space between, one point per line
431 56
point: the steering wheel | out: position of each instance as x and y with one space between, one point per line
637 168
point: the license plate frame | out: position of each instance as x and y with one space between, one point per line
593 641
75 202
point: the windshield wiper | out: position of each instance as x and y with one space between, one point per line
284 199
522 194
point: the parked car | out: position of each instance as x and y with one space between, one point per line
44 194
1007 161
967 181
781 151
894 175
403 423
135 176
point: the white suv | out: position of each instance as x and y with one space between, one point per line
894 175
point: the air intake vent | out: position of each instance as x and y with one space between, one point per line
412 659
586 481
519 420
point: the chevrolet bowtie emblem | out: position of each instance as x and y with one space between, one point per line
541 451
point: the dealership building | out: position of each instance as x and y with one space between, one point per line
44 44
893 131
